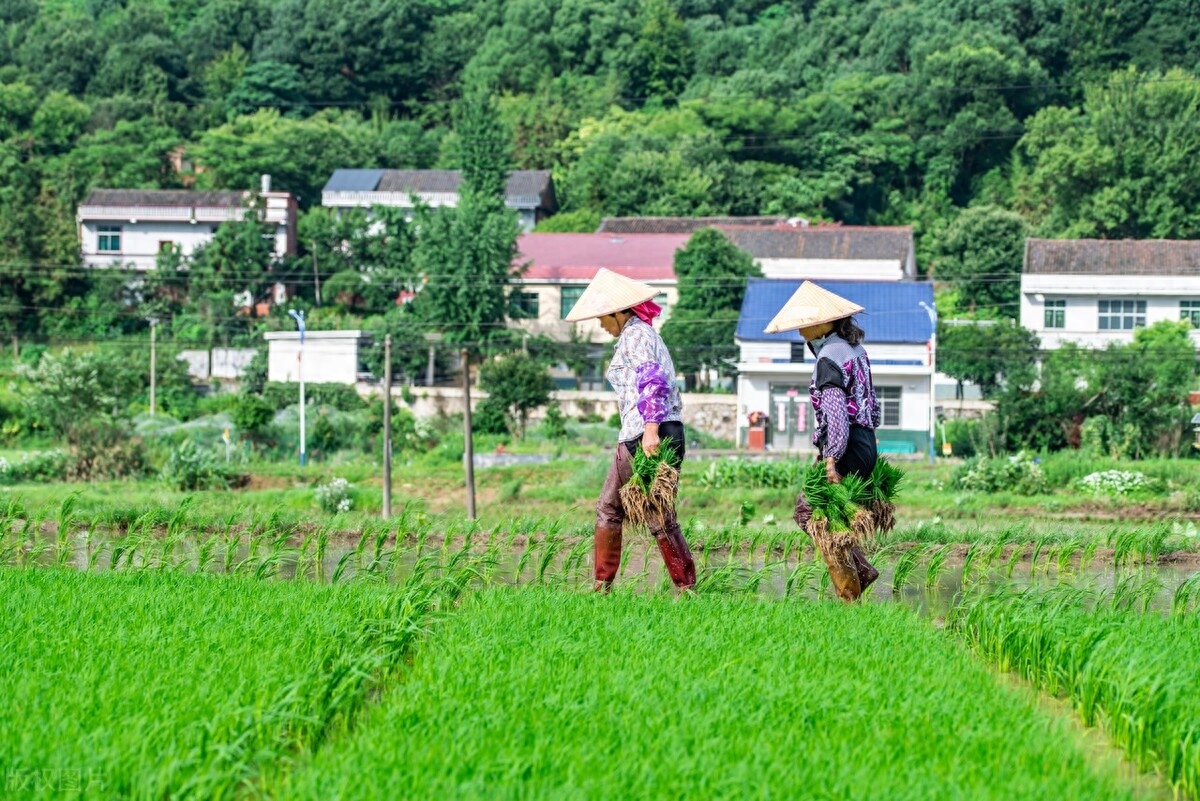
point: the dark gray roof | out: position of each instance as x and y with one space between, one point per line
1112 256
822 242
354 181
525 189
677 225
180 198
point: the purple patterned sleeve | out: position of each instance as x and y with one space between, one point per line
837 422
654 391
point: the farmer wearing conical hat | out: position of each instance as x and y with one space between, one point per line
846 409
643 375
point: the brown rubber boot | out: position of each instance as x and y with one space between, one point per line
606 552
840 563
866 571
677 556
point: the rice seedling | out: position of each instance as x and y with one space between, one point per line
905 566
936 566
1186 596
693 674
304 660
1130 672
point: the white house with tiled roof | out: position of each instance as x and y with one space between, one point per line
529 192
130 227
1093 292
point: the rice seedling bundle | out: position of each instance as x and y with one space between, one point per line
649 495
849 512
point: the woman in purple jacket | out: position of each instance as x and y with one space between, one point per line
643 376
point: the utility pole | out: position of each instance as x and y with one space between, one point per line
298 316
387 426
316 274
468 444
153 327
933 321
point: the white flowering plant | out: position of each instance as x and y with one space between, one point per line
1117 482
1020 473
336 496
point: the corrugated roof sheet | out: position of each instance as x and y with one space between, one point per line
822 242
893 311
165 198
354 181
525 188
1112 257
577 257
678 225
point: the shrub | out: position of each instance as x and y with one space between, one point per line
336 496
104 451
614 420
491 417
191 468
1019 473
47 466
555 424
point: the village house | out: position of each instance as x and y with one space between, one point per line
556 268
529 192
774 369
130 227
1093 292
792 248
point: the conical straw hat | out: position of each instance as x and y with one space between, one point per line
608 293
810 306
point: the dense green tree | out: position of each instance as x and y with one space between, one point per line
1126 165
984 352
516 383
980 257
466 253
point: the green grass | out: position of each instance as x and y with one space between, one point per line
1132 672
539 694
154 683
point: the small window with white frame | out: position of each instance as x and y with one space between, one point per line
1190 310
1056 314
889 406
108 239
1122 315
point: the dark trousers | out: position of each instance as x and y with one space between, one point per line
610 516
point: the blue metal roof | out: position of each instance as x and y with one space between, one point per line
893 311
354 181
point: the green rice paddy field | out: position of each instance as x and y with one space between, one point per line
217 645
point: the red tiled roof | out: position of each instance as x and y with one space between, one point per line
577 257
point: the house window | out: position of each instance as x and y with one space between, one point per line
1056 314
570 294
1190 310
1122 315
661 300
109 240
166 246
889 405
527 304
798 352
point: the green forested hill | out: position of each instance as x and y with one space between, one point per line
1081 116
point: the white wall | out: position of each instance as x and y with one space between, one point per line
329 356
549 321
1083 293
141 241
833 269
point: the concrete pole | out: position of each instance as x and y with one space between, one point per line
468 444
387 426
153 371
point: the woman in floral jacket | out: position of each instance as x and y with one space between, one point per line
844 404
643 376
